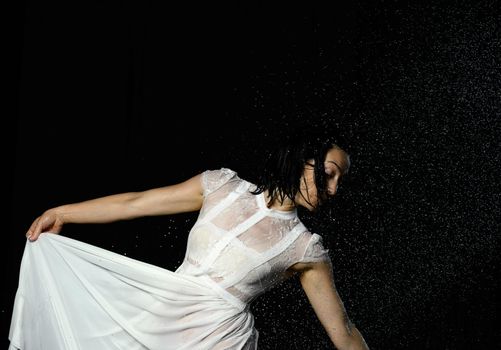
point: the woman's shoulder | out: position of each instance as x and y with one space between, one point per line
310 249
213 179
221 174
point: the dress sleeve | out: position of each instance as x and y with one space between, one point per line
315 251
214 179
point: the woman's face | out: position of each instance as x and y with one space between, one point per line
337 163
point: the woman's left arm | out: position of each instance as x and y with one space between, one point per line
318 283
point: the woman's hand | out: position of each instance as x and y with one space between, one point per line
49 221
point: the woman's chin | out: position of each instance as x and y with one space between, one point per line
312 208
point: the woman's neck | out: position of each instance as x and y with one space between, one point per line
287 205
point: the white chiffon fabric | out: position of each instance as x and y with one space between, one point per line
73 295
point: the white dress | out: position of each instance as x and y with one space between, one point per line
73 295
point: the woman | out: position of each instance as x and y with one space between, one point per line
247 239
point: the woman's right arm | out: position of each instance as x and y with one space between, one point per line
318 283
182 197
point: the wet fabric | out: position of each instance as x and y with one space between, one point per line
73 295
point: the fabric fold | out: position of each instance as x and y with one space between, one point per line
74 295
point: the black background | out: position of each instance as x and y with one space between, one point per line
113 96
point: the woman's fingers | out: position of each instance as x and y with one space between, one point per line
32 229
41 224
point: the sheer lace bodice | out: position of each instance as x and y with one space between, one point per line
240 244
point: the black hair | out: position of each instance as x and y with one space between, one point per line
282 171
